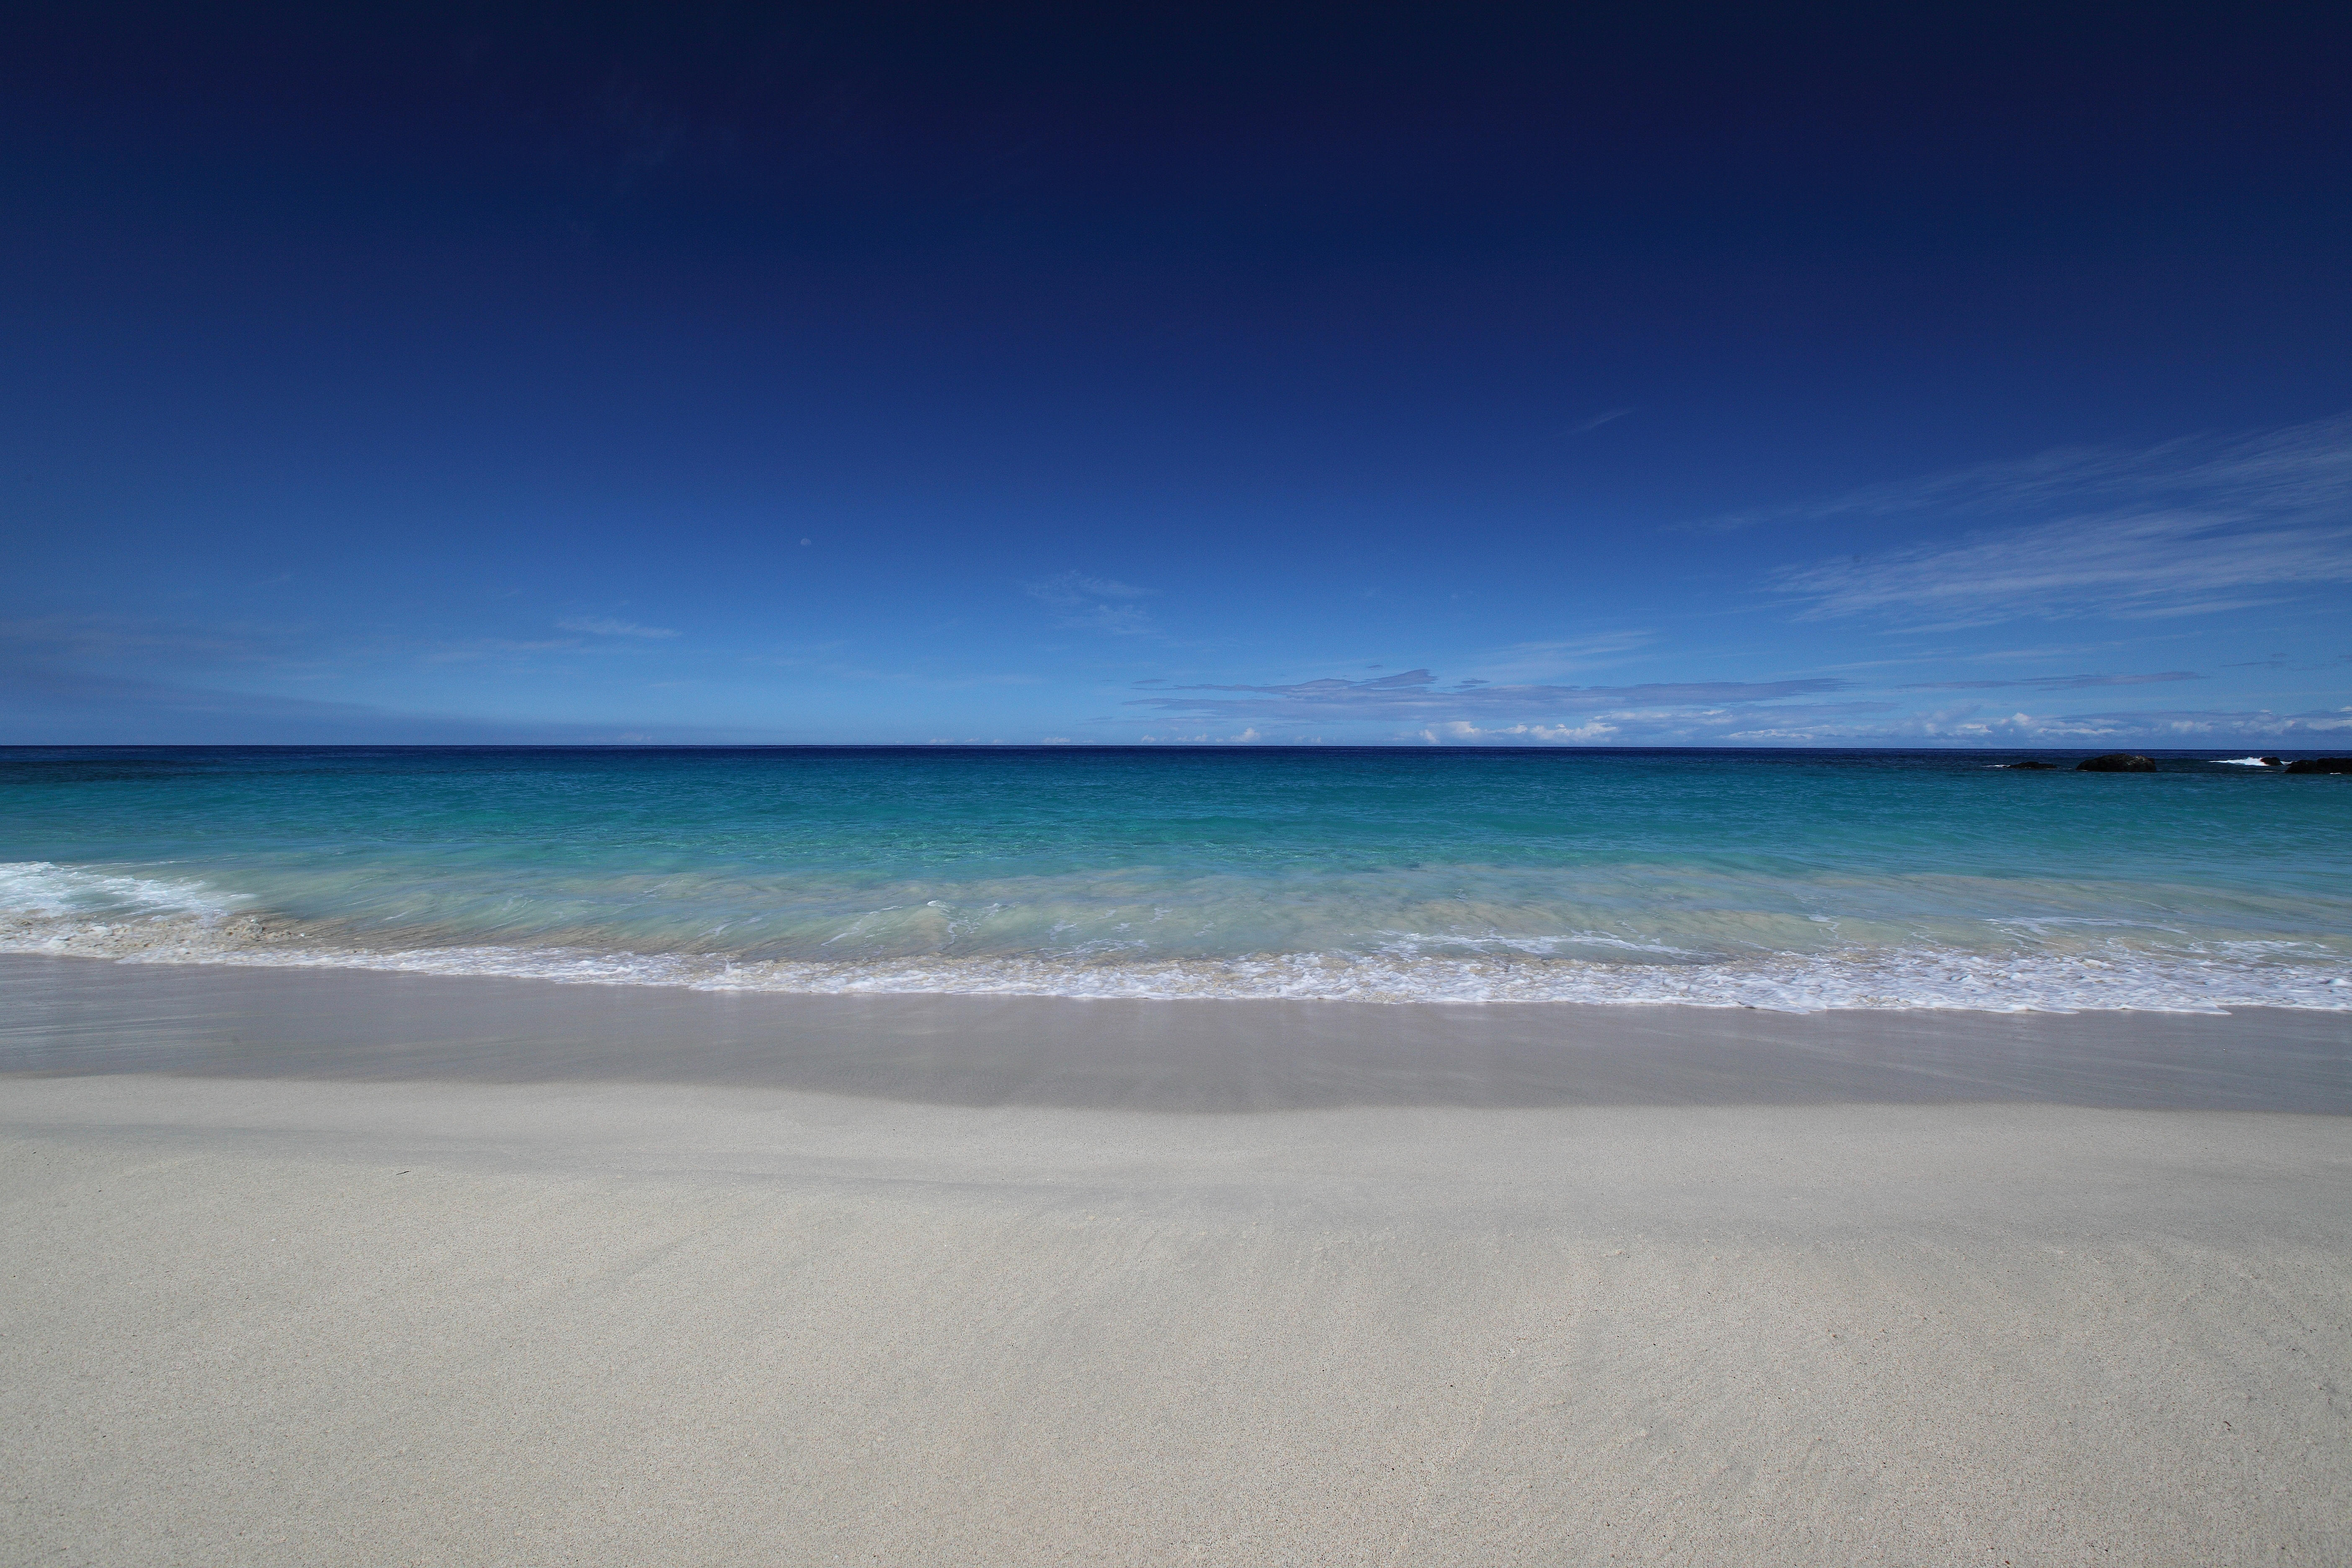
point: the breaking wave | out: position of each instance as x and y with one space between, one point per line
51 909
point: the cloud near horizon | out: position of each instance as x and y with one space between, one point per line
1412 699
1413 705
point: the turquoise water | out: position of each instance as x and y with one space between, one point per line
1778 878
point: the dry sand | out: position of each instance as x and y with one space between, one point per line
1445 1299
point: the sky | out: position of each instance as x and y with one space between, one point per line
1922 375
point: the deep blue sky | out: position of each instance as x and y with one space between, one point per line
1970 374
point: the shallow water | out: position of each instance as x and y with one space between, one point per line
1777 879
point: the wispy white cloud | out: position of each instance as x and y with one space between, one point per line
2125 567
1093 603
473 649
111 640
603 626
2185 528
2054 682
1538 661
2281 661
1413 699
53 700
2301 465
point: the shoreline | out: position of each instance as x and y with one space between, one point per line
1926 978
79 1016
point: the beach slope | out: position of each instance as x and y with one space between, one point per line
322 1318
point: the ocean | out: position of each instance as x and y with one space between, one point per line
1790 879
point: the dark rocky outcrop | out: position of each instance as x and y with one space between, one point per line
2321 766
2273 763
2116 762
2032 767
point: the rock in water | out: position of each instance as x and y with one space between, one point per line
2030 767
2321 766
2116 762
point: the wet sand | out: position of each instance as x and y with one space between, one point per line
86 1016
332 1268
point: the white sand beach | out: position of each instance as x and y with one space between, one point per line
459 1302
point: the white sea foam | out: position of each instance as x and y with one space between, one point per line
2242 761
2235 975
2028 963
41 888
